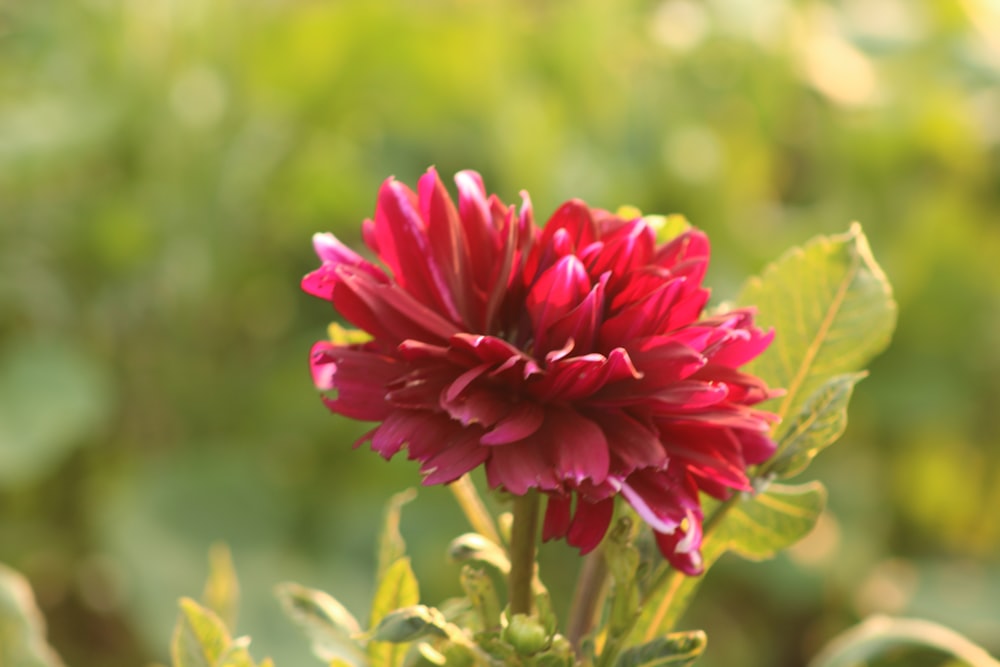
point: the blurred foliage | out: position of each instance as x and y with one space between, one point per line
164 162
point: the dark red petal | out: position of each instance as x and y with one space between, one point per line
461 454
691 245
359 378
523 419
556 292
634 445
521 466
405 247
387 312
557 516
580 449
590 524
682 548
396 430
448 244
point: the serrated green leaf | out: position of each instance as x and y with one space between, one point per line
832 309
222 588
22 628
676 650
818 425
391 545
200 637
881 635
410 623
397 589
331 628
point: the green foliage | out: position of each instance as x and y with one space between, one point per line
392 547
222 588
677 649
397 589
332 629
818 425
880 636
22 628
771 521
832 308
200 637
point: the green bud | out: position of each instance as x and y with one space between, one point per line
526 634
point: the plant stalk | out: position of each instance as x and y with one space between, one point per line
522 553
590 590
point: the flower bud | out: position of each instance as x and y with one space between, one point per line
526 634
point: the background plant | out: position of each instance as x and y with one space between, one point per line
162 162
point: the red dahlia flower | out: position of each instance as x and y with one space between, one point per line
572 359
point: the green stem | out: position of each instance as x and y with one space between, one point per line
472 506
590 589
522 553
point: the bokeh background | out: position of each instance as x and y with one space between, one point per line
163 164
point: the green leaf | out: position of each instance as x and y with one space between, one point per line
771 521
200 637
22 628
397 589
410 623
818 425
332 629
473 547
391 545
482 596
676 650
222 589
832 309
755 528
881 635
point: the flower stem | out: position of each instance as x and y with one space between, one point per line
590 588
522 553
472 506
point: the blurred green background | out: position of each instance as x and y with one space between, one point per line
163 164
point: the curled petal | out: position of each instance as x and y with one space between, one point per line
590 524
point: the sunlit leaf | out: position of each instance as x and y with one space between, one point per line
391 545
22 628
200 637
397 589
674 650
832 309
818 425
222 589
771 521
880 635
332 629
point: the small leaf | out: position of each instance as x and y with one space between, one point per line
832 309
391 545
341 335
328 624
818 425
200 637
473 547
482 595
410 623
667 227
222 589
771 521
881 635
397 589
676 650
22 628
